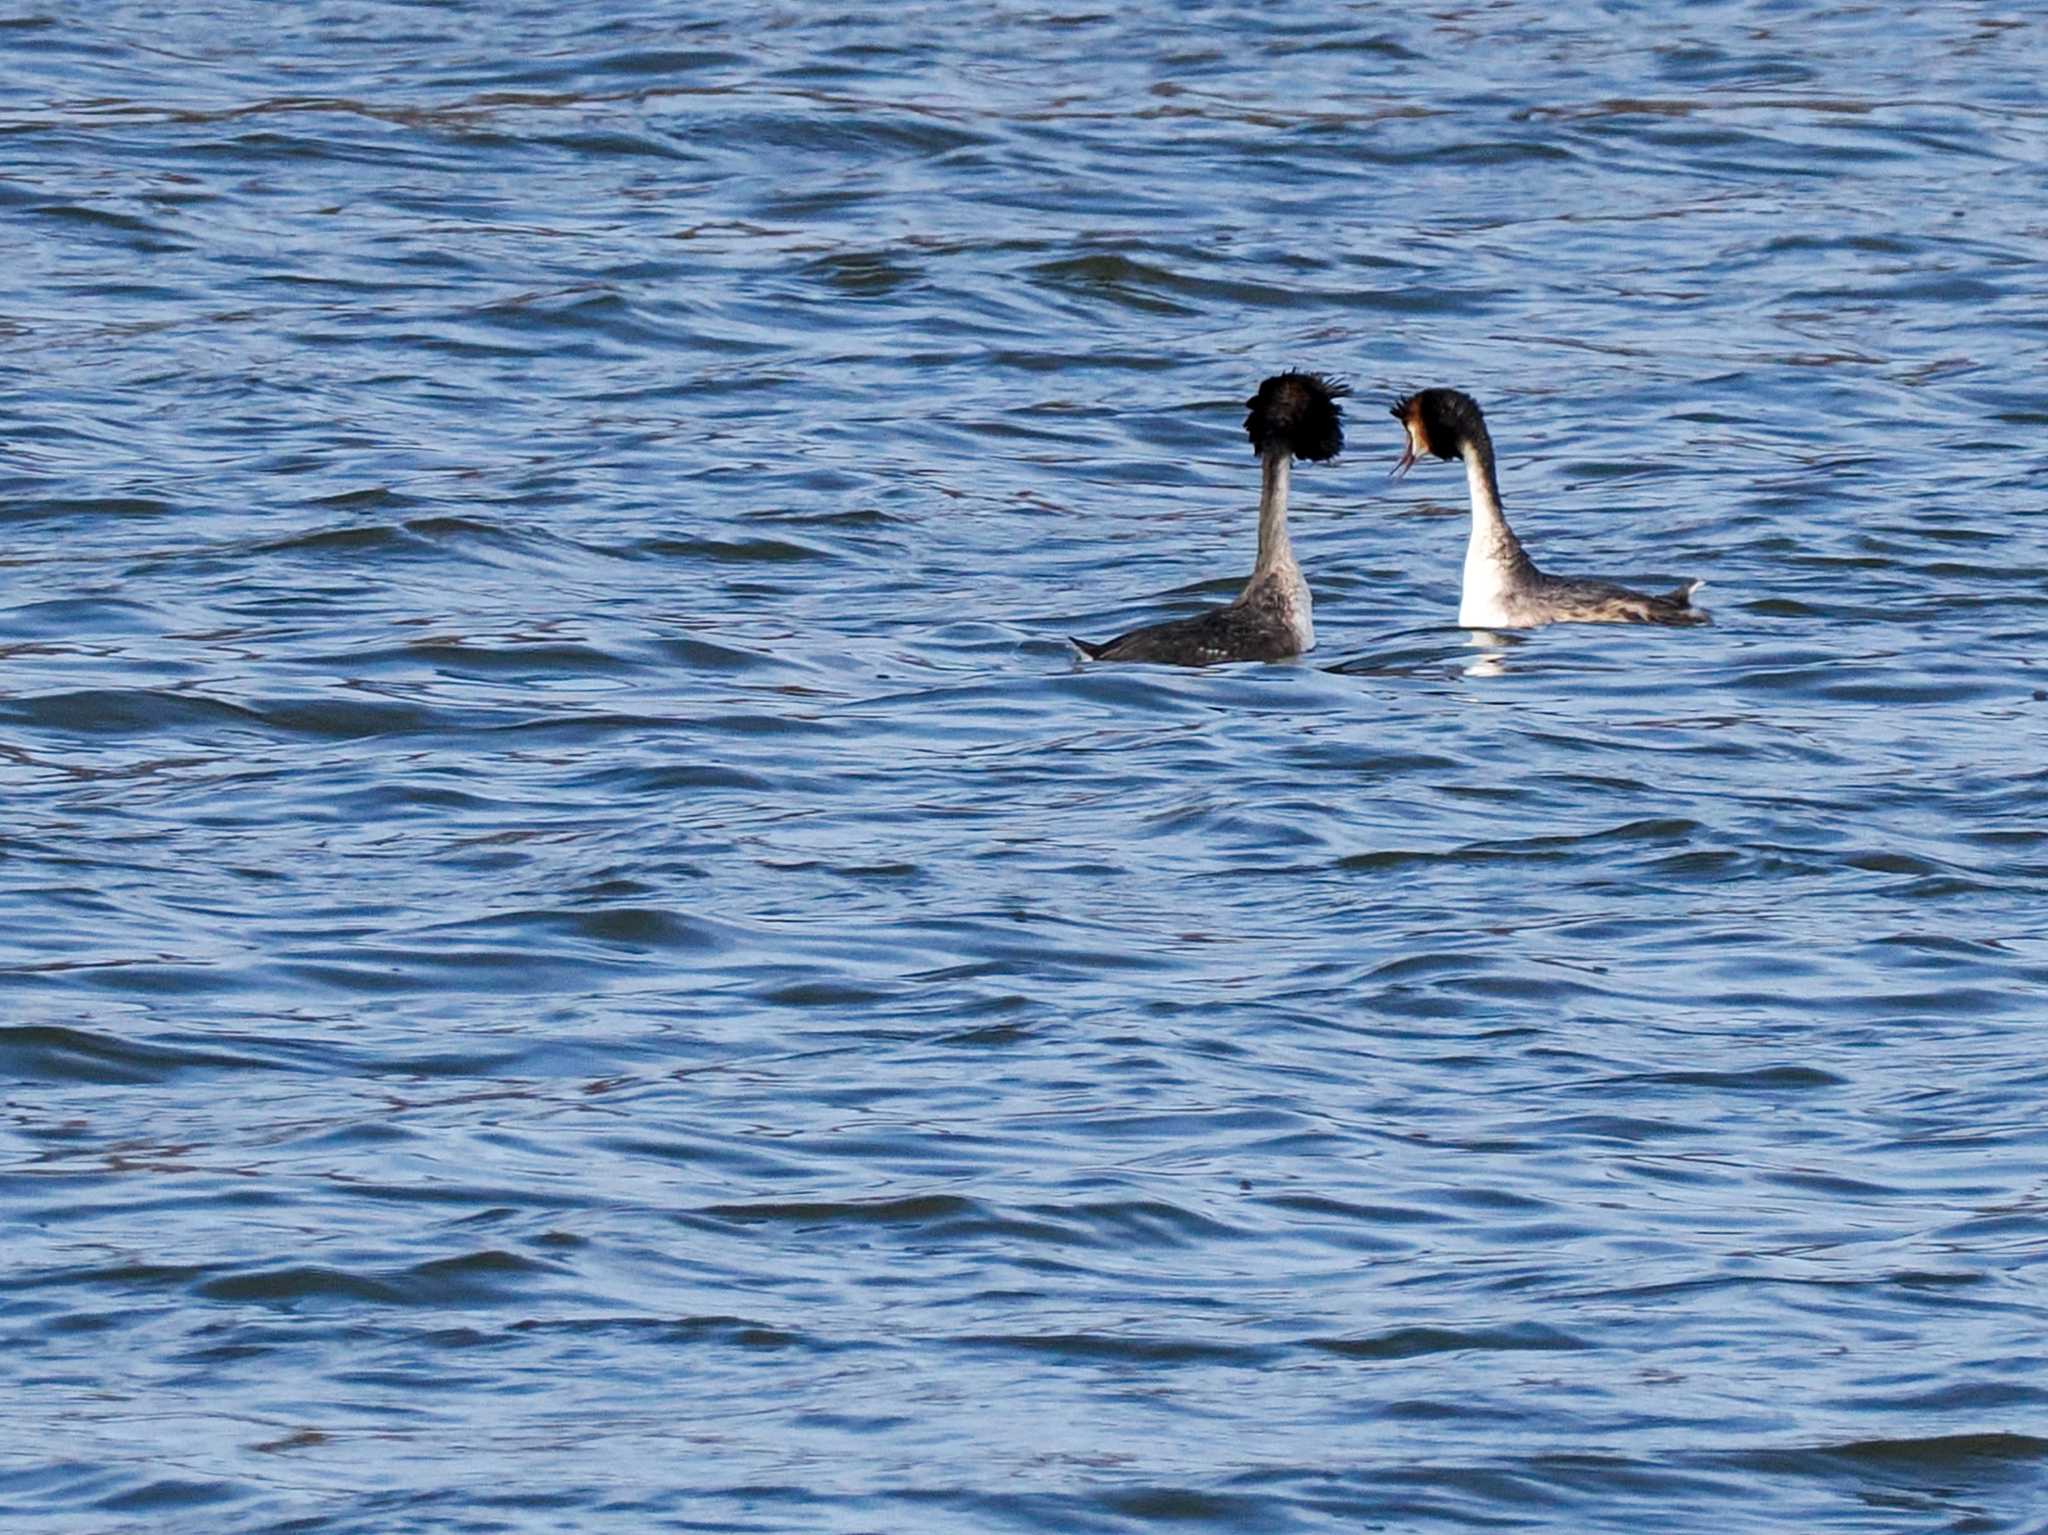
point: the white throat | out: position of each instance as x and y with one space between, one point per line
1494 562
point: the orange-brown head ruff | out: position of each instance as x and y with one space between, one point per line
1438 422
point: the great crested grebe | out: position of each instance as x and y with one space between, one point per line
1294 415
1503 587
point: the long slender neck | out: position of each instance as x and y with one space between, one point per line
1493 541
1276 598
1275 551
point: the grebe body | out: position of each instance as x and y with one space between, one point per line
1503 589
1294 415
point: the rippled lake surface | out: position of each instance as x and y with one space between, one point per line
578 952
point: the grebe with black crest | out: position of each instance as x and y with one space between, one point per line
1294 415
1503 588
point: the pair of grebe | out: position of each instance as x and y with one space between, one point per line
1296 415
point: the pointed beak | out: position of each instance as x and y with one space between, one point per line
1407 463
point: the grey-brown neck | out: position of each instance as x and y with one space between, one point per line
1276 601
1275 550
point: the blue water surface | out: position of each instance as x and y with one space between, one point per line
577 950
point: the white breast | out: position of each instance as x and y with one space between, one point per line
1484 604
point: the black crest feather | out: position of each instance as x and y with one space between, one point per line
1297 413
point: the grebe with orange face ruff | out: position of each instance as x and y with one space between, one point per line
1503 587
1294 415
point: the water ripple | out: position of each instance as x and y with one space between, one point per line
581 951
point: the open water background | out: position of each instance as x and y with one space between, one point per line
577 953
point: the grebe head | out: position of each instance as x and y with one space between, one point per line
1297 413
1439 422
